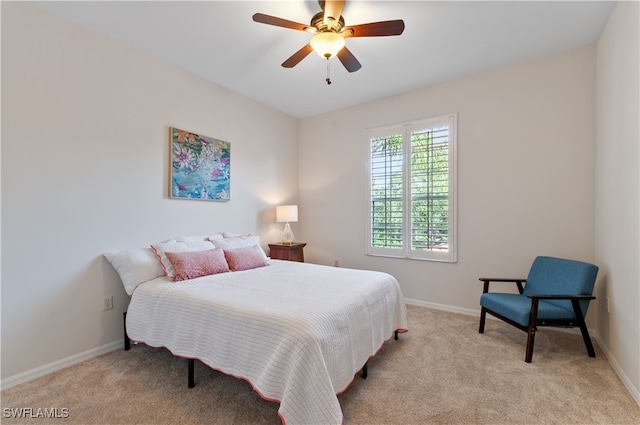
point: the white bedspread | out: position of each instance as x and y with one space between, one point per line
297 332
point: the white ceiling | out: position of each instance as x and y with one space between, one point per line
443 40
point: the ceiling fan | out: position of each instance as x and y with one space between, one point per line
329 33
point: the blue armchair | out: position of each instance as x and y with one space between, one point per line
557 292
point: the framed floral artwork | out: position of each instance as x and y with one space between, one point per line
200 167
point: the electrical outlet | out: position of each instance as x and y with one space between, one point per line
108 303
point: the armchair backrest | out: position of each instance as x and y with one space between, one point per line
558 276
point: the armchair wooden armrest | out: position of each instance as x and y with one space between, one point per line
562 297
487 280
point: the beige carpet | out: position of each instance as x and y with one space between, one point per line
441 372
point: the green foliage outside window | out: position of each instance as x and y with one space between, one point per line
429 190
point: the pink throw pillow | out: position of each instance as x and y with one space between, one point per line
192 264
245 258
175 245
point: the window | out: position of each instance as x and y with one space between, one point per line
411 203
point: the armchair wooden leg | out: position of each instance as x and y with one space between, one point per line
483 317
531 336
531 331
583 328
587 341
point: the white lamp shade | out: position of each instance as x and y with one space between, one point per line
287 213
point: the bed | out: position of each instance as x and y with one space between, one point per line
297 332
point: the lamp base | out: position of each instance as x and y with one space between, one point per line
287 234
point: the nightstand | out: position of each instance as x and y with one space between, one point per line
284 251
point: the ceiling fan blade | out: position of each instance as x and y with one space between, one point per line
279 22
297 56
332 11
375 29
348 60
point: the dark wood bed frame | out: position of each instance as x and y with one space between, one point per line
191 364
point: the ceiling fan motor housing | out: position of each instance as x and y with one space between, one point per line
317 22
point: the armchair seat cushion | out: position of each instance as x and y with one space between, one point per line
518 307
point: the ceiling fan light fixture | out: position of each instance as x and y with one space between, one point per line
327 44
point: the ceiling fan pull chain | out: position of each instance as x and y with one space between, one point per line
328 79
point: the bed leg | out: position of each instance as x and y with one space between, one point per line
364 371
191 380
127 341
395 335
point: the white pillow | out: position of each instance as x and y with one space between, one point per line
234 235
177 246
245 241
197 238
135 266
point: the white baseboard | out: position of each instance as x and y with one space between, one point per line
443 307
635 393
60 364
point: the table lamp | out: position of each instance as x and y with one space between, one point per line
287 214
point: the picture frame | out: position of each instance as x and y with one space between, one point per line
200 167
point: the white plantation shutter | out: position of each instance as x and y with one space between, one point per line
411 205
387 188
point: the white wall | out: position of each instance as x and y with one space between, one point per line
526 147
618 191
85 170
